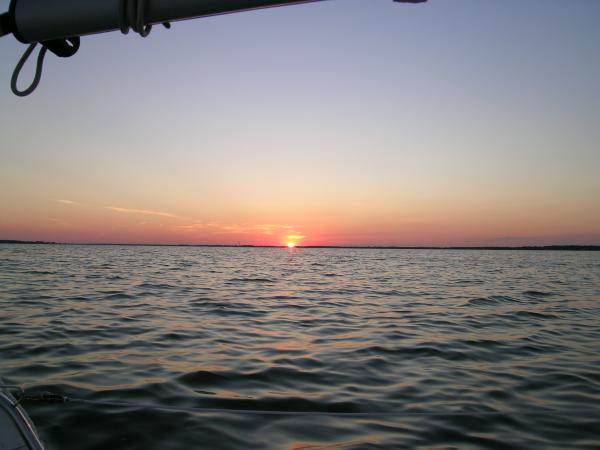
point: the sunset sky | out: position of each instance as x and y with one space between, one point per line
346 122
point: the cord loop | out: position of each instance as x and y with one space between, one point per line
63 48
132 14
38 71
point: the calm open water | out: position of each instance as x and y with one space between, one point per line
320 330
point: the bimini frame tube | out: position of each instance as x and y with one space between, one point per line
45 20
59 24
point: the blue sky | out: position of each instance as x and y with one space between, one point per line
350 121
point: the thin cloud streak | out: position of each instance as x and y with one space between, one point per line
66 202
142 211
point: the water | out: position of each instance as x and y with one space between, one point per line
338 330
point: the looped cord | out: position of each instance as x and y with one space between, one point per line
132 15
143 30
38 71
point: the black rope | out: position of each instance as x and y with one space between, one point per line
43 397
63 48
143 30
38 71
132 15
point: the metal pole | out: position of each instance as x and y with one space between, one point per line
44 20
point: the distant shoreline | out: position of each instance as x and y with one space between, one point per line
357 247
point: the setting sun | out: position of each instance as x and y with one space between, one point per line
292 240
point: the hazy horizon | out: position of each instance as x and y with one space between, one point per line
348 123
300 246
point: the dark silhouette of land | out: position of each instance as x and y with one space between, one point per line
358 247
11 241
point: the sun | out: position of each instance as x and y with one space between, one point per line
291 241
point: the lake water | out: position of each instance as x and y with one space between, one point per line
306 330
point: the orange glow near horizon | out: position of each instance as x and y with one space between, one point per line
79 221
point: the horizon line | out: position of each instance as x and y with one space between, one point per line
586 247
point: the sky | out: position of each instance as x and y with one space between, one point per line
345 122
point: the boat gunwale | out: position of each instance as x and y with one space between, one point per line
20 418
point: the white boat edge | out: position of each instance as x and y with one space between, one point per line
16 428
